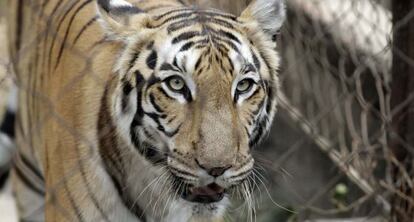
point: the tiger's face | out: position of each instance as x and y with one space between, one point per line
196 92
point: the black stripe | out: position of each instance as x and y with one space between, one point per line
133 60
219 42
125 10
171 12
249 68
31 166
228 35
256 60
168 67
63 43
107 139
46 35
175 63
134 134
147 134
186 22
44 4
184 16
140 82
241 174
185 36
221 14
198 63
19 24
70 197
203 15
186 46
171 119
127 201
156 118
152 80
267 63
27 181
4 175
269 99
231 64
181 2
172 133
112 157
152 60
69 194
89 190
7 126
165 93
72 203
181 172
85 181
247 131
222 22
105 5
175 26
150 45
126 89
84 28
152 154
257 136
155 105
56 31
259 106
187 94
136 55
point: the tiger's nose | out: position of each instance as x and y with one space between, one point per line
217 171
214 171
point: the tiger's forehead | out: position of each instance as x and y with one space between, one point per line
193 47
198 43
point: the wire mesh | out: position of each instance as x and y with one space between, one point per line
331 150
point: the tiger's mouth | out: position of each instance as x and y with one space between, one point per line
207 194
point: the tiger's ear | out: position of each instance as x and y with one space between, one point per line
120 19
269 15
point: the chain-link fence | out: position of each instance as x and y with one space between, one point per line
342 142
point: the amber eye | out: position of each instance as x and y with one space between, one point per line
176 83
244 85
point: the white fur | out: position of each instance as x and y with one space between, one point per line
6 147
120 3
168 53
269 13
12 101
182 210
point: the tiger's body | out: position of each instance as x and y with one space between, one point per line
138 112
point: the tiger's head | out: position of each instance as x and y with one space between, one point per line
195 90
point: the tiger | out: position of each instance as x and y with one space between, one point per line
7 110
139 110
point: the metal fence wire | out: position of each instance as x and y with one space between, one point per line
342 142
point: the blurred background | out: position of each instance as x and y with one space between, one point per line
341 146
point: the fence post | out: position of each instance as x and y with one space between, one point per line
402 103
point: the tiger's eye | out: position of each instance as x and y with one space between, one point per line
176 83
244 85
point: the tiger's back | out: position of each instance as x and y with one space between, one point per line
67 167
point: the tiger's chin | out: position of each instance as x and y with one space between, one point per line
182 210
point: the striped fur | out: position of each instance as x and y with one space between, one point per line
125 104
